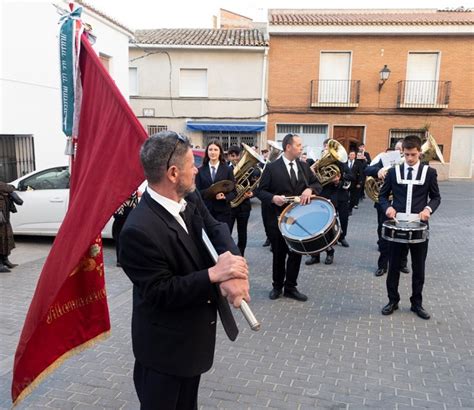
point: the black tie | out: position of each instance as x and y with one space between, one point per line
293 178
410 174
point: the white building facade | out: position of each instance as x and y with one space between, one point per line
30 100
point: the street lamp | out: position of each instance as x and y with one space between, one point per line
384 75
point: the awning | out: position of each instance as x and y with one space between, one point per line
216 126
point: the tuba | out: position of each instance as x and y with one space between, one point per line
431 151
245 179
275 150
326 169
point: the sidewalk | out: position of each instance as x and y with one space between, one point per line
335 351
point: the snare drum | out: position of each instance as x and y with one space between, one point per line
309 229
405 232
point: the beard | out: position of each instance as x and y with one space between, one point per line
183 189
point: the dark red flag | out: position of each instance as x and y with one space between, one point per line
69 309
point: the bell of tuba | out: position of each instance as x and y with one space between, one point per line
372 188
326 169
244 174
275 150
431 151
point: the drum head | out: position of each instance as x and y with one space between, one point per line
306 221
405 226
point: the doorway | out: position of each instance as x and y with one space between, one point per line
462 153
349 136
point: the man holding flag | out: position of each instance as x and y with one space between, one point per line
177 289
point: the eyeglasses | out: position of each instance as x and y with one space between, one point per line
179 138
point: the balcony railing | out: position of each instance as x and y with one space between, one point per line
335 93
423 94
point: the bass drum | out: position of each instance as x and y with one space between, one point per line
309 229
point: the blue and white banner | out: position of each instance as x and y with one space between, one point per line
69 47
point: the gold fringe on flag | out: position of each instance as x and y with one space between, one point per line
58 362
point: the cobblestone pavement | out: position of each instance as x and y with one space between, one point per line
335 351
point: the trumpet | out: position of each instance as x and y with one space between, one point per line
326 169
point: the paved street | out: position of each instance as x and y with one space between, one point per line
335 351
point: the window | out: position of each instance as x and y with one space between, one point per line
133 80
193 82
422 76
398 134
17 156
228 138
153 129
334 77
312 135
105 60
54 178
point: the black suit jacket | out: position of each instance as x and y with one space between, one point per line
204 181
421 193
174 302
276 181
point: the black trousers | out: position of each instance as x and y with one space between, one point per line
355 195
286 264
418 253
242 218
163 391
266 214
343 213
223 217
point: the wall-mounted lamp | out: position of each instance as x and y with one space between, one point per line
384 75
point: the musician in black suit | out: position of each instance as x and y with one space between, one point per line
415 194
377 170
240 213
287 176
214 169
356 169
177 289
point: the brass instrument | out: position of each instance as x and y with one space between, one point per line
243 173
326 168
275 150
430 152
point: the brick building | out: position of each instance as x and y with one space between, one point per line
325 79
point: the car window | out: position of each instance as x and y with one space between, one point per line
54 178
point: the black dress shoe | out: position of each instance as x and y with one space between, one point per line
312 260
404 269
4 269
380 271
266 243
274 294
344 243
389 308
295 294
9 264
420 312
329 259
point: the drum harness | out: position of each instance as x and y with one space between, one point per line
407 215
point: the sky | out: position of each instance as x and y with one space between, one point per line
142 14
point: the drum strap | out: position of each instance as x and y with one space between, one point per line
410 183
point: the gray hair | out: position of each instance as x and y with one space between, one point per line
160 151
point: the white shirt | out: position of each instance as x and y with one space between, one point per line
287 164
173 207
414 173
350 163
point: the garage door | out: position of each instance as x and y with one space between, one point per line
462 153
312 135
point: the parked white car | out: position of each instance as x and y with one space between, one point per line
45 194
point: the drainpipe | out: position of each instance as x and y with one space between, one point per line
262 96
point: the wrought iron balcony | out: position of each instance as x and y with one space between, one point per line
335 93
423 94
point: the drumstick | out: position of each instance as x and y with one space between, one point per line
396 220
